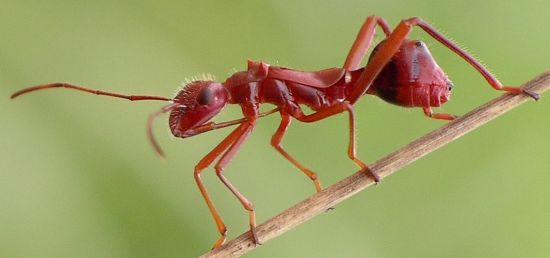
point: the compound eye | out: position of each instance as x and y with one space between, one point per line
205 97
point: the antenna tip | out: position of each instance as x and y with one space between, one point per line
14 95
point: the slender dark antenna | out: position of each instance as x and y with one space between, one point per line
88 90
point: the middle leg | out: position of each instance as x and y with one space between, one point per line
332 110
276 143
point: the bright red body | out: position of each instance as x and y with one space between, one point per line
412 78
399 70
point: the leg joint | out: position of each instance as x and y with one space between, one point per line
312 175
276 143
219 170
413 21
249 206
197 172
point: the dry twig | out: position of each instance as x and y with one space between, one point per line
351 185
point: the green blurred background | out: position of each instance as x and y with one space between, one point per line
78 178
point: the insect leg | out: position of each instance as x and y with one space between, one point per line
491 79
213 126
244 131
352 147
276 143
364 41
428 112
332 110
199 168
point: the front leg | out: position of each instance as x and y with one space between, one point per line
202 165
244 131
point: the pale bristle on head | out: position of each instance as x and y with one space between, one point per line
189 80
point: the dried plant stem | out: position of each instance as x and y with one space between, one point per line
351 185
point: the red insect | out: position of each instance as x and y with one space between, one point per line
399 70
